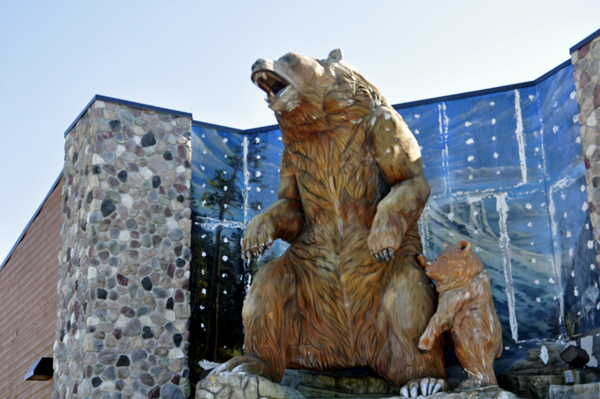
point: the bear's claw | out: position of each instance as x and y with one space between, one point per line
384 255
423 387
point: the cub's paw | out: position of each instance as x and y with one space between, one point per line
423 387
426 342
242 364
259 237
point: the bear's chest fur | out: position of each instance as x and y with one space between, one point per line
337 176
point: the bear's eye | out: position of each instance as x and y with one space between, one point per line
436 259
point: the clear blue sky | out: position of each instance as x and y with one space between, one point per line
195 56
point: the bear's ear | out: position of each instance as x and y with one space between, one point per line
465 248
446 245
335 55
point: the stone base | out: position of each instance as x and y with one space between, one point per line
243 386
580 391
493 392
530 385
535 383
321 386
345 384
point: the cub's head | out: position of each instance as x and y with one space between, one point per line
454 267
306 91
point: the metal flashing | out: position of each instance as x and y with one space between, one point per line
217 127
234 130
585 41
129 104
30 221
551 72
80 115
261 129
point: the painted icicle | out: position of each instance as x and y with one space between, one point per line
502 208
520 136
443 121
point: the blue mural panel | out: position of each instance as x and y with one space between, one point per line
575 255
218 283
559 109
524 280
534 276
490 141
491 159
263 158
429 126
505 170
475 219
217 174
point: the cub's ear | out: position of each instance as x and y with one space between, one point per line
446 245
335 55
465 248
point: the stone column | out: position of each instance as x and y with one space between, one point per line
587 83
123 289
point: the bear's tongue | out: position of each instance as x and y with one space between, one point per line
269 82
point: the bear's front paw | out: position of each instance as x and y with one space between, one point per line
383 244
258 238
386 235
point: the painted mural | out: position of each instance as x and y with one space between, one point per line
506 173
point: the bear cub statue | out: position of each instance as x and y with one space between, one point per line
466 310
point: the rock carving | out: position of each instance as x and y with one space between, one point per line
349 291
466 310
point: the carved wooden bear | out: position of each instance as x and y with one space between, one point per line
466 310
349 291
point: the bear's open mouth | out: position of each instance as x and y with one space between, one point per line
269 82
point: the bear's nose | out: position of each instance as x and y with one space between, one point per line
257 63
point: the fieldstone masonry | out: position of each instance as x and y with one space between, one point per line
587 83
123 290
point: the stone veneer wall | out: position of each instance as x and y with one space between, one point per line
586 62
123 290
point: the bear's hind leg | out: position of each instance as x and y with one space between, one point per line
271 322
407 306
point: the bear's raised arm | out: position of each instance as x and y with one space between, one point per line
288 214
283 219
397 154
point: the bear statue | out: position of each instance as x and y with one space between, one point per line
466 310
349 291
